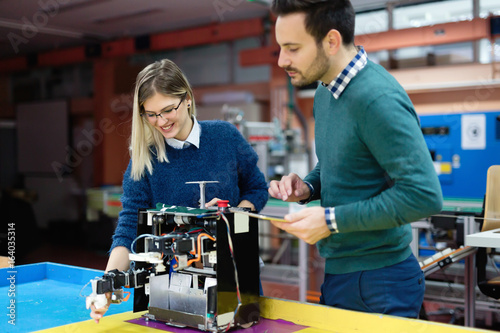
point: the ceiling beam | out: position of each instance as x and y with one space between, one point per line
445 33
209 34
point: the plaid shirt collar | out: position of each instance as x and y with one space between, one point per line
338 85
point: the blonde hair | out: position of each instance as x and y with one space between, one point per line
166 78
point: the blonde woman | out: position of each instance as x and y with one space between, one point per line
169 147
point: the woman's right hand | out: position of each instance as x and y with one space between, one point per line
118 259
97 314
212 202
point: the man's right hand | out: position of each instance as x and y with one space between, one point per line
290 188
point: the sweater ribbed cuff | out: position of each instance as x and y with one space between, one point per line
311 191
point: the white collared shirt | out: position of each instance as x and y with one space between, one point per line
192 139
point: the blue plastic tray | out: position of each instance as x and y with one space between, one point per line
47 295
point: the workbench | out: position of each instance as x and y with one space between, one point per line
46 295
490 238
48 300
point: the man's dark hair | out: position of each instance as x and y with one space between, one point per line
321 16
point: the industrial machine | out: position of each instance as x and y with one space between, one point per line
190 267
463 147
280 151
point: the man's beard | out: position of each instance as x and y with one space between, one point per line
315 72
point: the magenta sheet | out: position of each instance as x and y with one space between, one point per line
264 325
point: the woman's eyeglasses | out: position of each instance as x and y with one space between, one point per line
151 116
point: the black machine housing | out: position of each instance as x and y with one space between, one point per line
205 270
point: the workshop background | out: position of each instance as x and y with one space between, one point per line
67 69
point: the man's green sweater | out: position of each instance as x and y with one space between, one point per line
374 168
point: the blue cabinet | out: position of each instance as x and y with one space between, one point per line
463 147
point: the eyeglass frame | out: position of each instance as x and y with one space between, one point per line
150 114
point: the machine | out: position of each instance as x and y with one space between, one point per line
463 147
190 267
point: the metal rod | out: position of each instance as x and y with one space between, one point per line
202 190
470 277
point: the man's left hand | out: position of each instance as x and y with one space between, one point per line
309 224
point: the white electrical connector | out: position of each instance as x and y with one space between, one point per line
182 262
212 257
99 301
149 257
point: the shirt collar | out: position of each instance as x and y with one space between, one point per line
338 85
192 139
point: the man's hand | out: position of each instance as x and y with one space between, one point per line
290 188
309 224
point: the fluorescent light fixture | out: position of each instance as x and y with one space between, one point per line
44 30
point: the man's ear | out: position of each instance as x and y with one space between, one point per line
332 42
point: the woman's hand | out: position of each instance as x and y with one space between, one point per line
212 202
97 314
246 204
243 203
118 259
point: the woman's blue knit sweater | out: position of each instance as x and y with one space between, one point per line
224 155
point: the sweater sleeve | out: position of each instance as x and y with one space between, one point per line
136 194
251 181
315 180
391 131
314 177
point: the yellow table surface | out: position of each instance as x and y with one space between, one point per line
317 318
